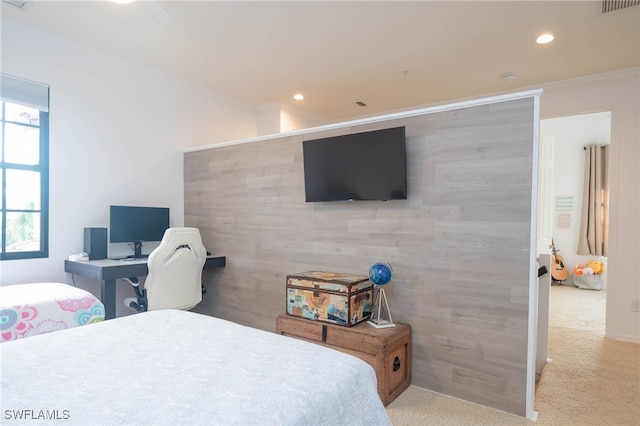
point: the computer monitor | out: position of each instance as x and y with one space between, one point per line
129 224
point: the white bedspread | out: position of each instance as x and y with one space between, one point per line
176 368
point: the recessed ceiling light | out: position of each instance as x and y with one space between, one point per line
298 96
122 1
544 38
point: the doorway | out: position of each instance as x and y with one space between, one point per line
561 181
566 138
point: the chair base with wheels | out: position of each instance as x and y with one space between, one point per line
139 303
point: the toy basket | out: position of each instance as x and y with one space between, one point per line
588 282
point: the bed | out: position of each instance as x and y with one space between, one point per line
173 367
36 308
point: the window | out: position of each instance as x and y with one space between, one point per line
24 159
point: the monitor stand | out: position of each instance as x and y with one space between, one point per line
137 251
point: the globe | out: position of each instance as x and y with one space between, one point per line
380 273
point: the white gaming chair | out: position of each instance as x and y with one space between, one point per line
175 267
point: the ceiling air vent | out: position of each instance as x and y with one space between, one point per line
611 5
16 3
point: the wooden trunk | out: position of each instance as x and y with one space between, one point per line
341 299
387 350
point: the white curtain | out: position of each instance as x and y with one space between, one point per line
595 202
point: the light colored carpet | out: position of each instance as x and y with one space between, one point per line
590 380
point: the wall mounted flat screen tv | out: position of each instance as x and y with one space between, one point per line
360 166
129 224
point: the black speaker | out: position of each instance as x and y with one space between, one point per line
95 243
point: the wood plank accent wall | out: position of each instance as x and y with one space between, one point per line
459 244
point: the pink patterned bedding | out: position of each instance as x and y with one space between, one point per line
37 308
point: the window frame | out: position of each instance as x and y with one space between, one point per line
43 169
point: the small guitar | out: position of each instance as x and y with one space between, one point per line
558 271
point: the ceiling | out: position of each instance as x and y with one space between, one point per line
389 55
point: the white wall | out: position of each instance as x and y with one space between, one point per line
278 117
619 93
117 135
571 134
268 118
293 117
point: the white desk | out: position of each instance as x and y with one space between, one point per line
107 271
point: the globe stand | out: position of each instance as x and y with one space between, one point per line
378 320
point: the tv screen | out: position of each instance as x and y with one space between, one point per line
359 166
128 224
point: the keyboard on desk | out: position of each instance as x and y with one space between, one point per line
130 259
